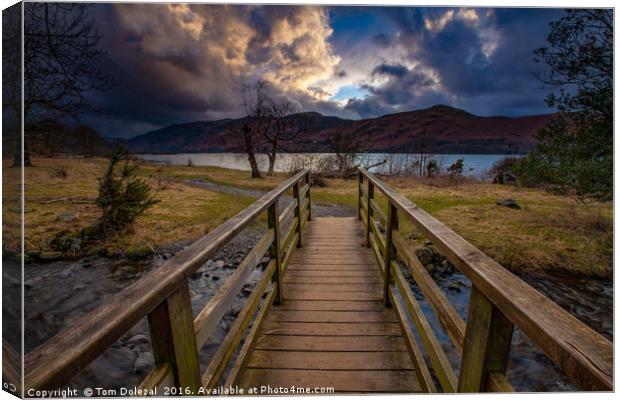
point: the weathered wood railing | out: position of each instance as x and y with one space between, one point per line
499 301
163 296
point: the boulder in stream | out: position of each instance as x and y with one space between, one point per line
138 339
425 255
144 363
455 286
139 253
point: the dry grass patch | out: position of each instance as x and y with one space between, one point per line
55 204
223 176
551 232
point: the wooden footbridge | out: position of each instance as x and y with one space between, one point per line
332 309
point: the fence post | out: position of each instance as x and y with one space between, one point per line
272 222
371 195
487 343
360 197
390 251
308 194
171 327
298 211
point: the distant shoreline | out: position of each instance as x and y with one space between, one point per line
474 164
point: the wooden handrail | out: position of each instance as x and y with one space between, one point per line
55 362
585 356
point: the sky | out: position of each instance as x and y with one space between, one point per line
178 63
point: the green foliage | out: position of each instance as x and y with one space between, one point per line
570 159
575 151
123 196
456 169
432 168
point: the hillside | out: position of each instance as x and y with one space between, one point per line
438 129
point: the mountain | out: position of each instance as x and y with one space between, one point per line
439 129
200 136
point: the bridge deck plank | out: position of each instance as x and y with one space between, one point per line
332 329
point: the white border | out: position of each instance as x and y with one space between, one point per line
435 3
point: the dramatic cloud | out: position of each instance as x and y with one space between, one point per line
476 59
184 62
193 60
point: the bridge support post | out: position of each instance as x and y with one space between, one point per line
298 212
275 251
309 200
390 251
371 195
360 196
171 327
486 346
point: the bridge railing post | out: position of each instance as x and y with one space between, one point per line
486 346
298 212
371 195
390 250
308 180
360 195
171 327
275 251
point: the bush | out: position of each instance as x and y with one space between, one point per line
589 177
503 171
123 196
59 171
432 167
318 181
456 169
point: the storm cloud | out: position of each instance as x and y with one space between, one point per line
178 62
476 59
183 62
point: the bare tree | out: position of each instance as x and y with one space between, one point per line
269 123
284 128
348 143
11 78
257 105
61 50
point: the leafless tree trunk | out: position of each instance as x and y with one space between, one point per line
272 158
250 149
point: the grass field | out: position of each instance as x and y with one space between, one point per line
184 212
549 232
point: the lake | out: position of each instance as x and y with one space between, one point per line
474 164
